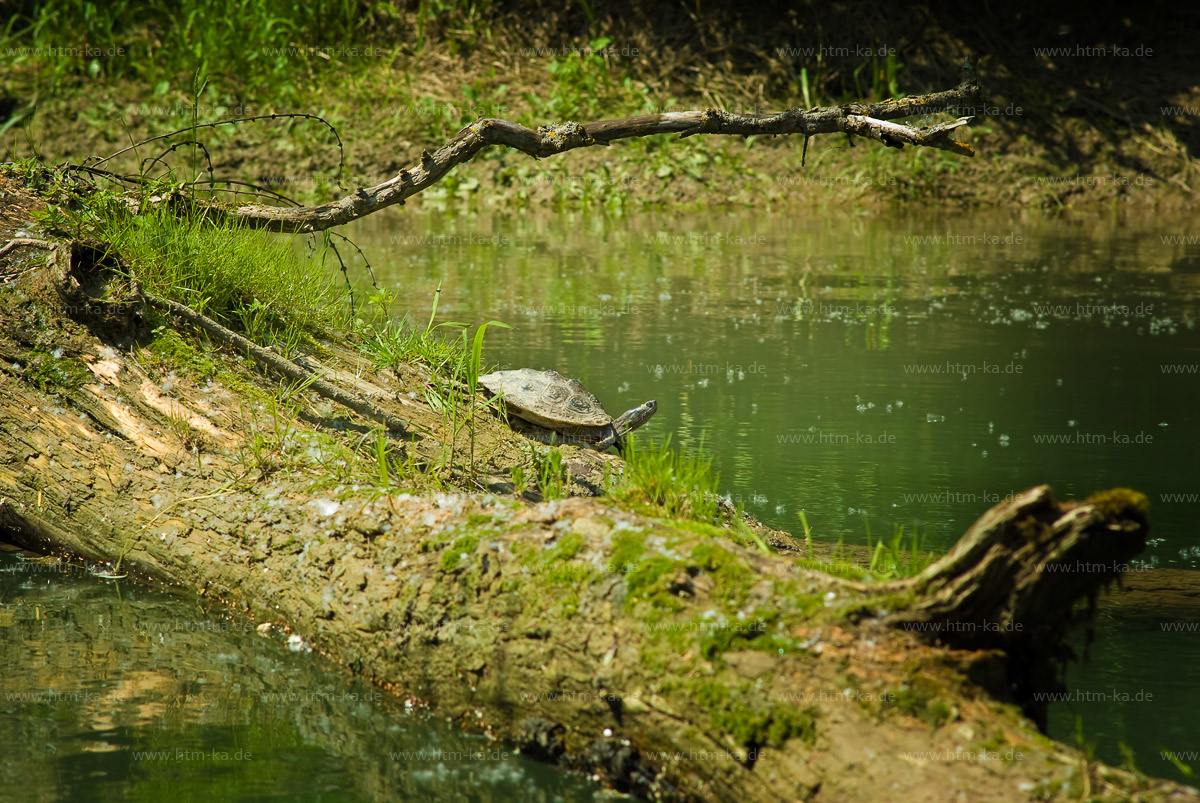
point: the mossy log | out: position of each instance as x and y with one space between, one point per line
1013 581
666 657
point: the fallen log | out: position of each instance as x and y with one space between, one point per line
665 657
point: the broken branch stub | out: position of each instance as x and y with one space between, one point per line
1013 583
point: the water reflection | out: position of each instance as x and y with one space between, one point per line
116 692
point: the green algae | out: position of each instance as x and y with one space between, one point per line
51 373
741 713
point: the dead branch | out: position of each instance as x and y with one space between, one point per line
870 120
27 242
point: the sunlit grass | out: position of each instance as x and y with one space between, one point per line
247 279
678 483
159 42
902 555
395 342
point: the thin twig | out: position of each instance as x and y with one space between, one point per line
17 242
276 363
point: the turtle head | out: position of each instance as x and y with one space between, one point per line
630 420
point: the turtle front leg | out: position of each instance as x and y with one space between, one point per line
611 438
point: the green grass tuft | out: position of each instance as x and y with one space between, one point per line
247 279
904 555
162 43
677 484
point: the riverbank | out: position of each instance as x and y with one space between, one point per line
1062 123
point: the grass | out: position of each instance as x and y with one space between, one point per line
382 450
520 486
454 394
472 377
159 43
1186 770
673 483
236 275
553 476
391 343
807 532
283 50
903 555
900 556
246 279
179 426
455 366
582 87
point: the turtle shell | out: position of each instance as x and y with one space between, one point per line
547 398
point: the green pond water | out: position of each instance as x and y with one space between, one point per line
110 691
840 364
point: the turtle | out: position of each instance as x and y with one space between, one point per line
555 409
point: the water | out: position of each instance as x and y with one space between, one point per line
831 362
834 365
851 367
114 692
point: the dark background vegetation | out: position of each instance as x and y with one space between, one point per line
1083 112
